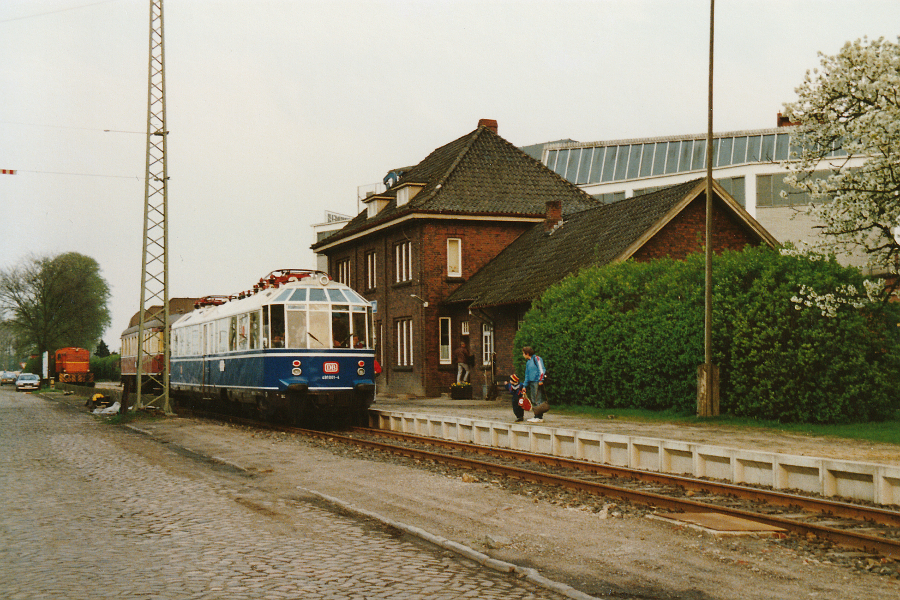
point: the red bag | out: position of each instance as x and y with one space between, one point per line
524 402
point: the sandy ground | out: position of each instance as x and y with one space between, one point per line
611 554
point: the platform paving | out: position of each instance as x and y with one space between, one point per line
85 514
708 433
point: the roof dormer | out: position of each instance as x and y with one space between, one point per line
408 191
374 204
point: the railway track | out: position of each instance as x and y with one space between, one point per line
869 529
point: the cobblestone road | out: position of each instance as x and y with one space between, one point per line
82 515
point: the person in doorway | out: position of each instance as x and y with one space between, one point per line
533 384
462 363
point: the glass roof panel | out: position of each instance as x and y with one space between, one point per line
299 295
634 161
672 157
551 158
597 164
317 295
782 142
647 160
561 161
622 163
659 158
753 144
739 155
768 148
684 162
609 164
725 147
585 168
572 169
699 161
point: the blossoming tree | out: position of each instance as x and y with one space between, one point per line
850 107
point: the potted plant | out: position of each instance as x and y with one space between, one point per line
461 390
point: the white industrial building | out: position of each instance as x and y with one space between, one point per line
748 164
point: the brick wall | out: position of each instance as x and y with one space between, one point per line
480 242
686 233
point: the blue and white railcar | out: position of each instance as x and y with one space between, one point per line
300 345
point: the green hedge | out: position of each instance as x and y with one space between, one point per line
108 368
631 336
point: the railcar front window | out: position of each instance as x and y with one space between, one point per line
277 315
296 329
360 331
340 329
319 326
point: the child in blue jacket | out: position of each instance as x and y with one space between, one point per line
515 388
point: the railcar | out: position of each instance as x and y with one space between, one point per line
73 365
299 345
152 357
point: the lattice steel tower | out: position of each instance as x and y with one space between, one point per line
155 264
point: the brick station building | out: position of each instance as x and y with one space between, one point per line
458 246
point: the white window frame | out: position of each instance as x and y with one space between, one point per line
487 343
371 264
403 262
454 254
445 347
343 271
464 328
404 343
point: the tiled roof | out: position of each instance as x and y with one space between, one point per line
480 174
538 258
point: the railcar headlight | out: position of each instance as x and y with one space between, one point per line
360 372
296 372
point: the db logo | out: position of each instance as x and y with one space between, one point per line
330 367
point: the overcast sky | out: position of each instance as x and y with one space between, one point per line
278 110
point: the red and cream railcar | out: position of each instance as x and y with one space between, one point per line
152 356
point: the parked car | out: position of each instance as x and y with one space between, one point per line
28 381
7 377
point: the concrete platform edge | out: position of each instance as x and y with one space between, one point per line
870 482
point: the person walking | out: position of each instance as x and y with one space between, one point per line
533 384
462 363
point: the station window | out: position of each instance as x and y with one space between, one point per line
444 334
371 264
343 271
404 342
403 262
454 257
487 343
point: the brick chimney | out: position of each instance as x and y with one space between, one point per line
553 215
488 123
783 121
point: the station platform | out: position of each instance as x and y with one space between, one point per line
831 467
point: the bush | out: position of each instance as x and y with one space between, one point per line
108 368
790 344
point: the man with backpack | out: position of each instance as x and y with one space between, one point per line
533 383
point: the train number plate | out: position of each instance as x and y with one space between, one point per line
330 367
